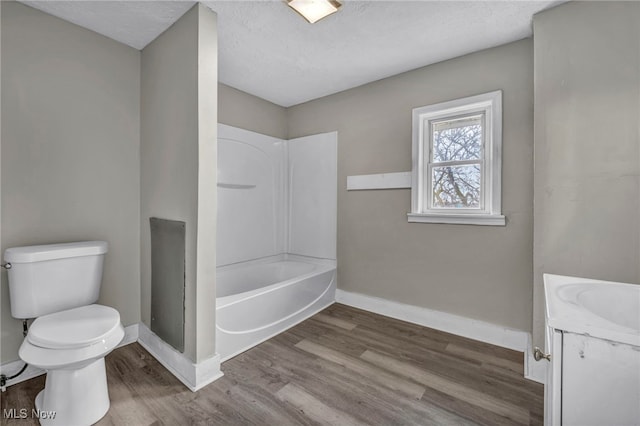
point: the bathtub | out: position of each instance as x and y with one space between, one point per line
257 300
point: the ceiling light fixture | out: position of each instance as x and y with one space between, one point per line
314 10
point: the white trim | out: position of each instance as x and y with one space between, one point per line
516 340
12 367
443 321
490 104
458 219
399 180
193 376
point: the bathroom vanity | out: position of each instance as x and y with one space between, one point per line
593 337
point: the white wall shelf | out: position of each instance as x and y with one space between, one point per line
400 180
235 185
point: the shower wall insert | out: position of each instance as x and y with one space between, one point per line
276 240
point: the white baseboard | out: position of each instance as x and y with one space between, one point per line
450 323
130 335
193 376
461 326
12 367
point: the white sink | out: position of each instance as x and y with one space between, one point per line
619 304
603 309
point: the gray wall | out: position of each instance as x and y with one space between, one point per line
174 143
240 109
587 144
480 272
70 142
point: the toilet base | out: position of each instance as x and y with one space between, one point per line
76 397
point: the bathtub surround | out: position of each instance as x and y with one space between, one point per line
311 186
178 146
278 194
251 194
70 151
587 145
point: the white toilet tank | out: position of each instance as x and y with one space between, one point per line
54 277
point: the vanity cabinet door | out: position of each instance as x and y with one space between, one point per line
600 382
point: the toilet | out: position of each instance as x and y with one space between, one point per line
58 285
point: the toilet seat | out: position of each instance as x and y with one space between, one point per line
99 332
74 328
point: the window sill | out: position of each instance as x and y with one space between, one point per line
458 219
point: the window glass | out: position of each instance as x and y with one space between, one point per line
457 140
456 187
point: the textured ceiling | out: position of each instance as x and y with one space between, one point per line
266 49
135 23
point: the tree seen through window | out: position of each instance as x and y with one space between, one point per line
456 162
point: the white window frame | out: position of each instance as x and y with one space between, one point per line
489 213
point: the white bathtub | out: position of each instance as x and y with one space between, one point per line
257 300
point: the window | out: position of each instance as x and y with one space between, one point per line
457 147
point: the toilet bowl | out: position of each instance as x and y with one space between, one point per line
71 345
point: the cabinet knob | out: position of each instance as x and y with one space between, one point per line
538 355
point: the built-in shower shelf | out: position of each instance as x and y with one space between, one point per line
235 185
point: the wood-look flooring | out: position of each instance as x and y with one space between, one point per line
343 366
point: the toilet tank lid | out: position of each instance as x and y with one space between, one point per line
28 254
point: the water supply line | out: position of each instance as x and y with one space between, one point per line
3 377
